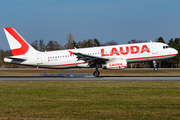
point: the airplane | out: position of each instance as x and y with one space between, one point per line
105 57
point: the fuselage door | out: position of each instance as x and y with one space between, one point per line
154 49
39 58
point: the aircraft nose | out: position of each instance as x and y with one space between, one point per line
174 51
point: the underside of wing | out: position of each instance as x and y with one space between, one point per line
90 59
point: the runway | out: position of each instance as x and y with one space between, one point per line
102 78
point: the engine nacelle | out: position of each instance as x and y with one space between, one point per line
118 63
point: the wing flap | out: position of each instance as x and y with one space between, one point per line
92 60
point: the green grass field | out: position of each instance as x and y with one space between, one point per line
90 100
29 100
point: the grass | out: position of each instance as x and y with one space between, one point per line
90 100
126 72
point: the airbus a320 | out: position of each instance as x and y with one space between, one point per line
106 57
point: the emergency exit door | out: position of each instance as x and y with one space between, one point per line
39 59
154 49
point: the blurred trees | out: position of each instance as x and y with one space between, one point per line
89 43
41 45
135 41
38 45
70 42
112 42
35 44
53 45
160 39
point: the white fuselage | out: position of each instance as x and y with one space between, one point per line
131 52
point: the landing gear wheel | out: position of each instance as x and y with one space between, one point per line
96 73
155 66
155 69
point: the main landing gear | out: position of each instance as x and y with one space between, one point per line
155 66
96 73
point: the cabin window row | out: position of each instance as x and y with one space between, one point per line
54 57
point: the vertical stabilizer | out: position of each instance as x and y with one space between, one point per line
17 43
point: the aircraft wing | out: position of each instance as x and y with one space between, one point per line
92 60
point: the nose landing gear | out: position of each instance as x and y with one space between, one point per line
155 66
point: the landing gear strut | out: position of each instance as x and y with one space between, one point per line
96 73
155 66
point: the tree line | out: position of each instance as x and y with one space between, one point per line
72 44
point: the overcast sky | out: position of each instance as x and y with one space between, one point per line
106 20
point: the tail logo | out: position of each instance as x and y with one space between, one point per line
24 45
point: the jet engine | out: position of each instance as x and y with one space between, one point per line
116 63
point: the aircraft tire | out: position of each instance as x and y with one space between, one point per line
155 69
96 73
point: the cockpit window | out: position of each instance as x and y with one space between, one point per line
165 47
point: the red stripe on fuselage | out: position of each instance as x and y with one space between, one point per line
58 65
24 45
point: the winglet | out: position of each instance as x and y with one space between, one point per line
71 53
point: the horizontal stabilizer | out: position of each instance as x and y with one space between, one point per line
15 58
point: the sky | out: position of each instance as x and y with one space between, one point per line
105 20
